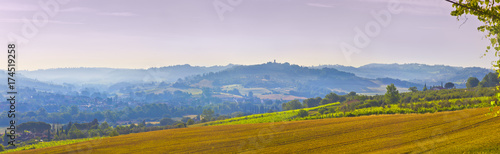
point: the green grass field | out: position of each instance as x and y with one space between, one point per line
51 144
291 114
464 131
266 117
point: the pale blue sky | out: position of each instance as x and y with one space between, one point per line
155 33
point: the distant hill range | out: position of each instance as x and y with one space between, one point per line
108 76
284 78
416 73
277 79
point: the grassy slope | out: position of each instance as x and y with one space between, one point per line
451 132
292 114
264 117
49 144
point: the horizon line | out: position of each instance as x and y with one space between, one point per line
318 65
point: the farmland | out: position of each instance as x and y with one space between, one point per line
266 117
313 112
461 131
51 144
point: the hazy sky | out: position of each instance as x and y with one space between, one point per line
154 33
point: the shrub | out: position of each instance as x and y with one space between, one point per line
302 113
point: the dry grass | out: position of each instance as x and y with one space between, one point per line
443 132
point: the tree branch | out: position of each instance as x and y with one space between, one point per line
481 11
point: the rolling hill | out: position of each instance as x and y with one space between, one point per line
465 131
277 80
108 76
285 78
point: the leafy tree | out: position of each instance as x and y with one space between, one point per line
190 122
114 133
5 138
373 103
425 87
250 94
490 80
42 112
292 105
312 102
208 113
166 121
487 12
302 113
392 94
330 98
413 89
181 125
472 82
143 123
75 133
185 119
206 92
48 135
322 110
2 148
221 117
94 124
449 85
234 91
34 126
104 125
73 110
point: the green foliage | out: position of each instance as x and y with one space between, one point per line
190 122
104 125
269 117
114 133
490 80
208 113
302 113
206 92
142 124
472 82
185 119
449 85
413 89
166 121
487 12
322 110
358 105
431 95
392 94
407 108
312 102
330 98
73 110
181 125
75 132
33 126
292 105
91 125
